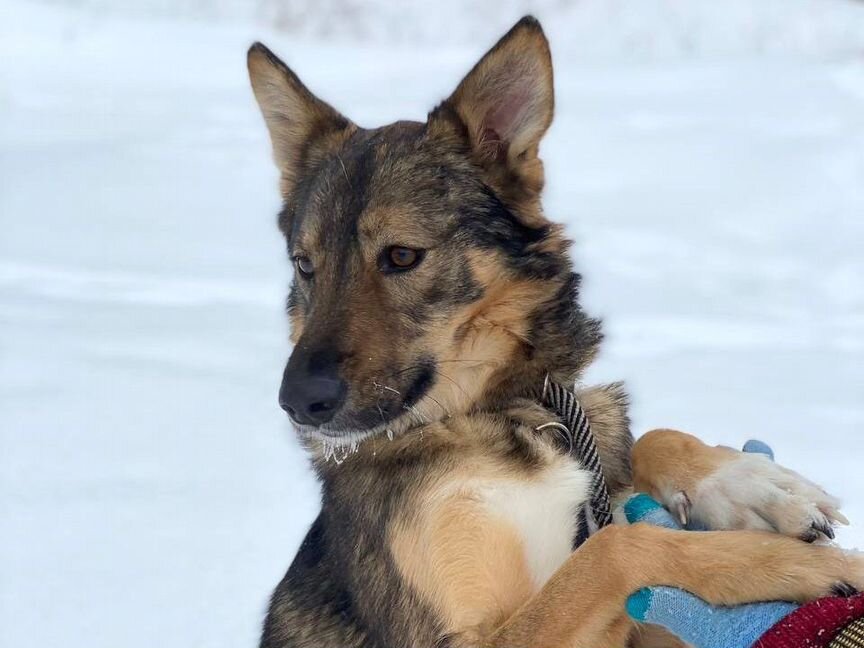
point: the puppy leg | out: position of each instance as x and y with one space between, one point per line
720 488
581 606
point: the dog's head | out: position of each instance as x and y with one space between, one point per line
420 251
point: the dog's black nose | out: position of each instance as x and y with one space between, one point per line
312 391
313 401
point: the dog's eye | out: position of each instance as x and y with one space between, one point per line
398 258
304 266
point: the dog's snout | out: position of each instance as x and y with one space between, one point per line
312 391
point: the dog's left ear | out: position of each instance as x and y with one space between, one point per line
505 105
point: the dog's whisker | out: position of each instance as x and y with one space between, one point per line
438 403
476 362
448 377
384 387
456 384
421 419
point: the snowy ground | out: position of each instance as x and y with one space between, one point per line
150 490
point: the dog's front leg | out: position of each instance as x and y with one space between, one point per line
582 605
722 489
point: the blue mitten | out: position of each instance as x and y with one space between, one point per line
687 616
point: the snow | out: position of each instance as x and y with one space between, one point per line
653 29
151 492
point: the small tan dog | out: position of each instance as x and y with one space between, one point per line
431 299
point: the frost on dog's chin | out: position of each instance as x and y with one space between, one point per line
338 448
338 451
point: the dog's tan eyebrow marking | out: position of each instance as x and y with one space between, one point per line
402 225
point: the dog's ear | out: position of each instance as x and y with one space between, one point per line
302 127
505 105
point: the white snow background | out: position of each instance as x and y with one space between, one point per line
707 157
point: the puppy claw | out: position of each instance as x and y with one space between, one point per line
681 505
838 517
816 531
844 590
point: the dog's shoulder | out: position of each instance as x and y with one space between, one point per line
342 590
312 605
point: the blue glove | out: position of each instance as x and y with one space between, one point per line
687 616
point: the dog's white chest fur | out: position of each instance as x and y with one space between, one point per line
543 512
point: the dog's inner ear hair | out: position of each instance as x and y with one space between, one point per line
303 128
506 102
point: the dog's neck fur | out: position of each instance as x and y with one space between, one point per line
562 342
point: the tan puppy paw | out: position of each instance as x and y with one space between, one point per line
722 489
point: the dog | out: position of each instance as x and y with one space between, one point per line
431 299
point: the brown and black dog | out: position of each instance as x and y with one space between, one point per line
431 299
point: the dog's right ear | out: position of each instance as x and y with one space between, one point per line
303 128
